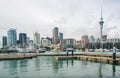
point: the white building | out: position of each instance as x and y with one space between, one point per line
91 39
45 42
36 39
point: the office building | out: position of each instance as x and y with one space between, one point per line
23 39
85 41
61 39
36 39
55 39
12 38
4 41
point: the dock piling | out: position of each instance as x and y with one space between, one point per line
114 55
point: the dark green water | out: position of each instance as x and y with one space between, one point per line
48 67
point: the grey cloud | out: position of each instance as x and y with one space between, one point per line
73 17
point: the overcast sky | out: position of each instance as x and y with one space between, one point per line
73 17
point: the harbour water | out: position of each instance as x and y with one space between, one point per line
49 67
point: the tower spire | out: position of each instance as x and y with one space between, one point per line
101 22
101 13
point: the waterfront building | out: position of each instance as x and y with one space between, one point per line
55 39
106 43
69 43
12 38
4 41
85 41
79 44
110 43
36 39
45 42
22 39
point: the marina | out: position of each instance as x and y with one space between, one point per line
59 39
38 67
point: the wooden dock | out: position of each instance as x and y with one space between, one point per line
16 57
92 57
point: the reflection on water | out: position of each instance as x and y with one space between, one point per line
100 71
49 67
37 64
23 65
69 62
114 69
13 67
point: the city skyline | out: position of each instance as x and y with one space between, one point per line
74 18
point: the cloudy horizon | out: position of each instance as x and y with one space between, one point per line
73 17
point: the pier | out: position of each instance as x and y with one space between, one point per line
103 58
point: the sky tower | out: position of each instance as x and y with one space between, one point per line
101 25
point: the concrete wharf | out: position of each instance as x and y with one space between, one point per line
16 57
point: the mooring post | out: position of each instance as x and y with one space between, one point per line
72 52
67 53
114 55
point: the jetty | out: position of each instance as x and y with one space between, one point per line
103 58
17 57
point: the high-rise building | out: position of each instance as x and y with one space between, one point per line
12 38
61 39
23 39
55 39
28 41
36 39
84 40
4 41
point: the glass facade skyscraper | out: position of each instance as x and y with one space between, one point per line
23 39
12 38
4 41
61 39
